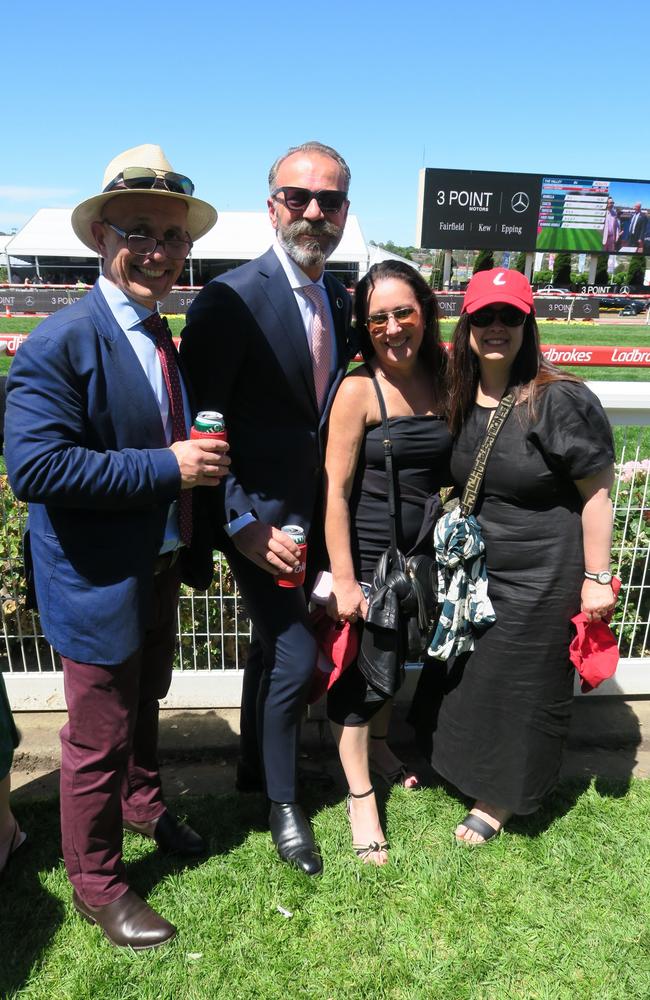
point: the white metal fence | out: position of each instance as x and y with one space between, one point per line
214 631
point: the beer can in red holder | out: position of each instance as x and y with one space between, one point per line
297 577
209 424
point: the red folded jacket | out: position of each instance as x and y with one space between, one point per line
594 650
338 645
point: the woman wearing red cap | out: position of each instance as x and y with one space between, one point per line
502 710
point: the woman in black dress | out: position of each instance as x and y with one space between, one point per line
397 323
502 711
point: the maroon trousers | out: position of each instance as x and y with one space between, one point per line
109 751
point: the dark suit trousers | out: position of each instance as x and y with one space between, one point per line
109 759
277 676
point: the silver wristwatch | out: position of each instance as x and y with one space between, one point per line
605 577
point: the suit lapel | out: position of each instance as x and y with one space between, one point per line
285 330
342 335
341 331
142 410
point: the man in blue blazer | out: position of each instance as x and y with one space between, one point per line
267 344
95 438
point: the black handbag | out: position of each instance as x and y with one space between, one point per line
402 600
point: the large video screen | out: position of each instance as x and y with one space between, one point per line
468 209
591 215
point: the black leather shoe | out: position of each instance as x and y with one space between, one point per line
128 922
293 838
171 836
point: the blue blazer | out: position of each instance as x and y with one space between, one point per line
246 353
85 446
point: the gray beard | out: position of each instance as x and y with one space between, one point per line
309 255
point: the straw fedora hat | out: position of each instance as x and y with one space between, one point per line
200 216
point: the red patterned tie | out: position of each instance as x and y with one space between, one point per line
167 355
321 343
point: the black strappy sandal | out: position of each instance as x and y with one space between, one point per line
398 776
363 851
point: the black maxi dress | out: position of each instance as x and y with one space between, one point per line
421 449
494 720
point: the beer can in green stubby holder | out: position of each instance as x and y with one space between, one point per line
209 424
297 577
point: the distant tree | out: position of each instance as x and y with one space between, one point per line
437 270
636 269
484 261
562 270
400 251
520 262
4 276
543 277
602 275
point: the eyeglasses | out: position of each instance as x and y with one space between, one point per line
146 178
378 322
144 246
296 199
509 316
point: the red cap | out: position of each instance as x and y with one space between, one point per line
498 285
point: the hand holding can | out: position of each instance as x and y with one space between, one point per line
297 577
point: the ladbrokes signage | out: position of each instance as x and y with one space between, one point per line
473 210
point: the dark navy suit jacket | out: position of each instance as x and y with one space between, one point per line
85 445
246 353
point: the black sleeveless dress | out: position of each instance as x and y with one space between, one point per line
494 721
421 448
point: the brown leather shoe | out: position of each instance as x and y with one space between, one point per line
171 836
128 922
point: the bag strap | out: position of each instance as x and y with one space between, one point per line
470 493
390 471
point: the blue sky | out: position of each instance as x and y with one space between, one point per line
224 88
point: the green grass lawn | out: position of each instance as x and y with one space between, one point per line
555 909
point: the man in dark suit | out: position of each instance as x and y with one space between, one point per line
95 440
267 344
637 229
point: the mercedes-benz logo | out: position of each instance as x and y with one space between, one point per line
29 301
520 201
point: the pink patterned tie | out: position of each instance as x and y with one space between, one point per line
321 343
167 356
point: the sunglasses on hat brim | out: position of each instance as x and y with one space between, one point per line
147 179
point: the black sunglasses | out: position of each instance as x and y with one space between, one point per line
508 315
146 178
296 199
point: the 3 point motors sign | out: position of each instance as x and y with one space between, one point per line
470 209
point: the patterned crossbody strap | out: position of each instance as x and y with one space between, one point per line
470 493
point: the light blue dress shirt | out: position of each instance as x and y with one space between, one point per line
129 316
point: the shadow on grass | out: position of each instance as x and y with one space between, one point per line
29 915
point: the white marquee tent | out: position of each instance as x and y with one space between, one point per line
237 236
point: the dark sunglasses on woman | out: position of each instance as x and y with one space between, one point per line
508 315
